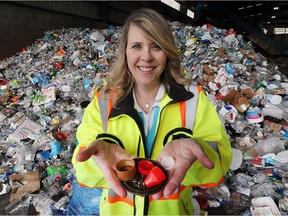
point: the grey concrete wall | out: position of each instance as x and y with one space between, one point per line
21 26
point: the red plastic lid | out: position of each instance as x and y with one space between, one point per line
155 177
3 82
144 167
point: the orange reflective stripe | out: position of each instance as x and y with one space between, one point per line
81 148
120 199
199 88
109 108
85 186
183 113
98 94
174 196
210 185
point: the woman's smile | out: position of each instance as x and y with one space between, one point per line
146 69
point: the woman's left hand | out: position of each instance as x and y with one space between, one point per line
185 152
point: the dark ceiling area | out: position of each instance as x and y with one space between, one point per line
256 20
22 22
261 14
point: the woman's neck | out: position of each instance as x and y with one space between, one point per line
146 97
146 92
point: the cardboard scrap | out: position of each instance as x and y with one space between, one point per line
275 127
23 184
239 98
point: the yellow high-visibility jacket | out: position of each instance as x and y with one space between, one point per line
124 128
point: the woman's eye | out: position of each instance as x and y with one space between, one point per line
136 46
155 46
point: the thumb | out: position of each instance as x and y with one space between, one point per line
86 153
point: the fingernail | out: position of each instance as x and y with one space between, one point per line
166 195
155 198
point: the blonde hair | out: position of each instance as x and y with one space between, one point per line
156 29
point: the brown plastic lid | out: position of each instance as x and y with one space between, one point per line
125 169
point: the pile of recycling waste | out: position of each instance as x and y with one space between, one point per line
45 87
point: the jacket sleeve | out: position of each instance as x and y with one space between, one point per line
87 172
211 135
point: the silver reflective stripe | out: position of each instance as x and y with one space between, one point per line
191 106
103 106
214 146
190 113
112 194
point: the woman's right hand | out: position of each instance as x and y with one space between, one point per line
184 152
106 155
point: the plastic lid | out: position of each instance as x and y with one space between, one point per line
282 156
197 209
237 159
255 120
145 166
276 99
243 107
168 163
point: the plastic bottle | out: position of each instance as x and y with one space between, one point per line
62 203
50 180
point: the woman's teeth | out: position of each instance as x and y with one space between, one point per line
146 69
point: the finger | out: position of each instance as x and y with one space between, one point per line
115 184
174 182
117 188
86 153
198 152
205 161
158 195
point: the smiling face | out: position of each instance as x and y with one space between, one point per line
145 59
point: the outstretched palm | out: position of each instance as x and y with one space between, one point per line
106 156
185 152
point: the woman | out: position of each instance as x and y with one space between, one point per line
148 110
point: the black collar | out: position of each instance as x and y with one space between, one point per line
176 92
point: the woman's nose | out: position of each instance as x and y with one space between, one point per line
146 55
